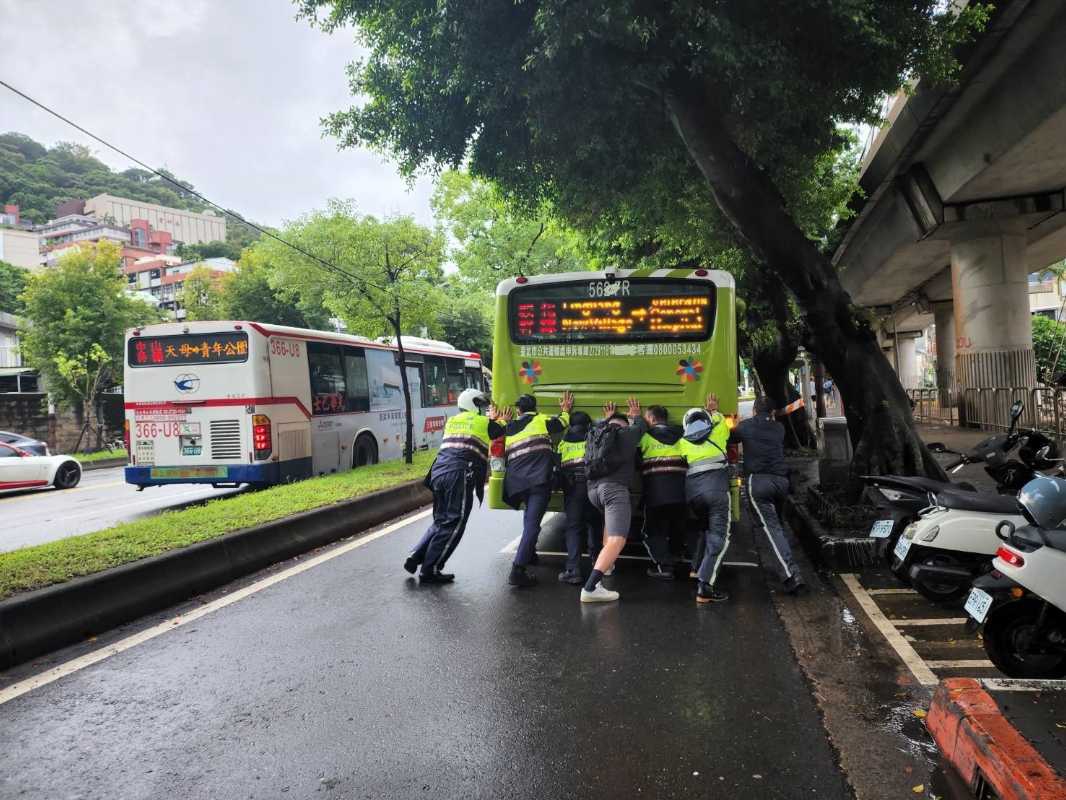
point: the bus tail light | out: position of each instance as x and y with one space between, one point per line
1010 557
732 454
496 453
261 436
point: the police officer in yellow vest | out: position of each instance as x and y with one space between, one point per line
458 472
582 518
707 491
662 477
528 477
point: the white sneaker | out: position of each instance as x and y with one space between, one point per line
601 594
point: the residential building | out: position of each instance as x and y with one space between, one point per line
20 247
1047 294
163 278
9 215
67 233
188 227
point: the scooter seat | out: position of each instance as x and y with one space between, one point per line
912 483
981 502
1056 540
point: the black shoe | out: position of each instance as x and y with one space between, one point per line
708 594
571 576
534 559
795 585
519 577
662 573
436 577
411 565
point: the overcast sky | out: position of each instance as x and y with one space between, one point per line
226 94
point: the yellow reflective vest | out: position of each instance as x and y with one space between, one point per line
467 435
710 453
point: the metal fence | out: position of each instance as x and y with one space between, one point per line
989 408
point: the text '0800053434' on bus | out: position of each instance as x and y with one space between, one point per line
666 337
229 403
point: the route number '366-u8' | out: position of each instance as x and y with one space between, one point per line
608 288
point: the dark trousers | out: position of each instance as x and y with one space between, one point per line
708 494
535 502
664 526
582 520
453 497
767 493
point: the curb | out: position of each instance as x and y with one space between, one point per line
836 552
986 750
44 620
106 463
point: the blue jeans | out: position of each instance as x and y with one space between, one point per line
535 501
708 494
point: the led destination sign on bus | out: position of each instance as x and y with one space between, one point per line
209 348
604 311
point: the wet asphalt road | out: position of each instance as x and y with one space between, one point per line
350 680
101 500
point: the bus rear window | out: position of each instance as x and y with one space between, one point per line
206 348
625 310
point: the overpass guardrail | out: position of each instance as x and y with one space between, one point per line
989 408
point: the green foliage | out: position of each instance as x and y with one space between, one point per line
56 562
72 309
466 322
200 295
37 178
1049 348
247 294
12 284
100 455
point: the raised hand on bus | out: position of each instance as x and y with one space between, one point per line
566 402
505 414
608 409
634 407
712 402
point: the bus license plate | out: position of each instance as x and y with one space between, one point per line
903 546
191 451
882 529
978 603
189 472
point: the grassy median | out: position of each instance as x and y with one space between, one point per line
55 562
99 455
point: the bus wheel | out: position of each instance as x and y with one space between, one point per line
366 451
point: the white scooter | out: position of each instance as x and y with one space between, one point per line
1022 602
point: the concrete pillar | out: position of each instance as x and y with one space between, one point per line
993 329
944 319
908 362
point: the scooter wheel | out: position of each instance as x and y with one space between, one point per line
939 592
1009 634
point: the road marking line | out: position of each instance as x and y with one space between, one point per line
945 621
903 649
965 664
81 662
630 558
876 592
51 491
512 546
1023 684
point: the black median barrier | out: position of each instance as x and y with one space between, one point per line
44 620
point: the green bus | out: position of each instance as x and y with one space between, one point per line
668 337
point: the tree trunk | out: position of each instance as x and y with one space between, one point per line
879 415
819 388
771 364
409 425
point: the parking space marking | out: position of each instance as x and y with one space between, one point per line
944 621
81 662
875 592
914 662
965 663
1023 684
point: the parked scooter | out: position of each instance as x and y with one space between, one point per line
904 497
954 539
1021 603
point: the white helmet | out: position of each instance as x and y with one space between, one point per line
473 400
695 413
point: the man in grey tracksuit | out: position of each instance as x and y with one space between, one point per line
766 476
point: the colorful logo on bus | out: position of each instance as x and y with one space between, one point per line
689 370
529 372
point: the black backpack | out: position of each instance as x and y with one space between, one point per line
603 450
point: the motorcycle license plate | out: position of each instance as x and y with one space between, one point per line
903 546
978 603
881 529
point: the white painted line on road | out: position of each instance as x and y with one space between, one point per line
627 558
875 592
966 663
1023 685
903 649
923 622
95 657
52 492
512 546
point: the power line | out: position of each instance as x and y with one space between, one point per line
328 265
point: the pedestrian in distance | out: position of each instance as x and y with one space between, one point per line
707 492
763 445
527 482
458 472
582 519
610 463
662 472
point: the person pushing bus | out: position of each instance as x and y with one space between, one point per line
582 519
662 472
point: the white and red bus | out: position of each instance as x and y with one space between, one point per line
229 403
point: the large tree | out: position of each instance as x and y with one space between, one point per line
578 101
248 294
381 277
12 283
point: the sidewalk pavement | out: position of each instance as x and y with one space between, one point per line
1003 735
961 440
